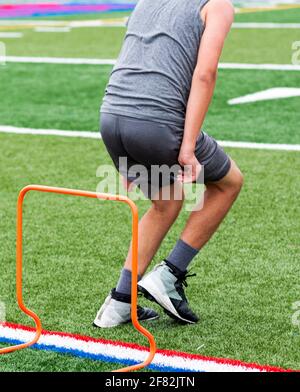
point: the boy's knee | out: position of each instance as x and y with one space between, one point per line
237 180
233 183
168 206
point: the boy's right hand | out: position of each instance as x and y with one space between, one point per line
191 167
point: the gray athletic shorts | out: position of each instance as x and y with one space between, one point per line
148 149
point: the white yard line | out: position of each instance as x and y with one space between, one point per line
98 23
263 67
11 35
18 22
52 29
113 22
49 132
266 95
260 146
121 22
96 135
59 60
89 61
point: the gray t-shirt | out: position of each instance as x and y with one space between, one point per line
153 74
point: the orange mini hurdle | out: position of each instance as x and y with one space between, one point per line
19 269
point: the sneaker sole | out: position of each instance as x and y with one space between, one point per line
101 310
125 322
167 306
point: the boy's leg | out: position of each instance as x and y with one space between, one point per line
165 284
153 227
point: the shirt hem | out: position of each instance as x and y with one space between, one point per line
143 117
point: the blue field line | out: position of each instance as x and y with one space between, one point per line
94 357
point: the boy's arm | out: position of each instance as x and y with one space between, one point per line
218 20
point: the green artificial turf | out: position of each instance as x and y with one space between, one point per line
45 361
243 45
275 16
91 42
69 96
247 277
248 274
260 46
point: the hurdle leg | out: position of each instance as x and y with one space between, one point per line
19 267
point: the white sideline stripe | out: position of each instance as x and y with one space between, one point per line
121 352
87 61
266 25
96 135
49 132
98 23
260 146
11 35
17 22
121 22
265 95
59 60
265 67
52 29
113 22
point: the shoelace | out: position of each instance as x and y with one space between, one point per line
181 281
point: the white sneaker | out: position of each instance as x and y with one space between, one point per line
164 285
116 310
